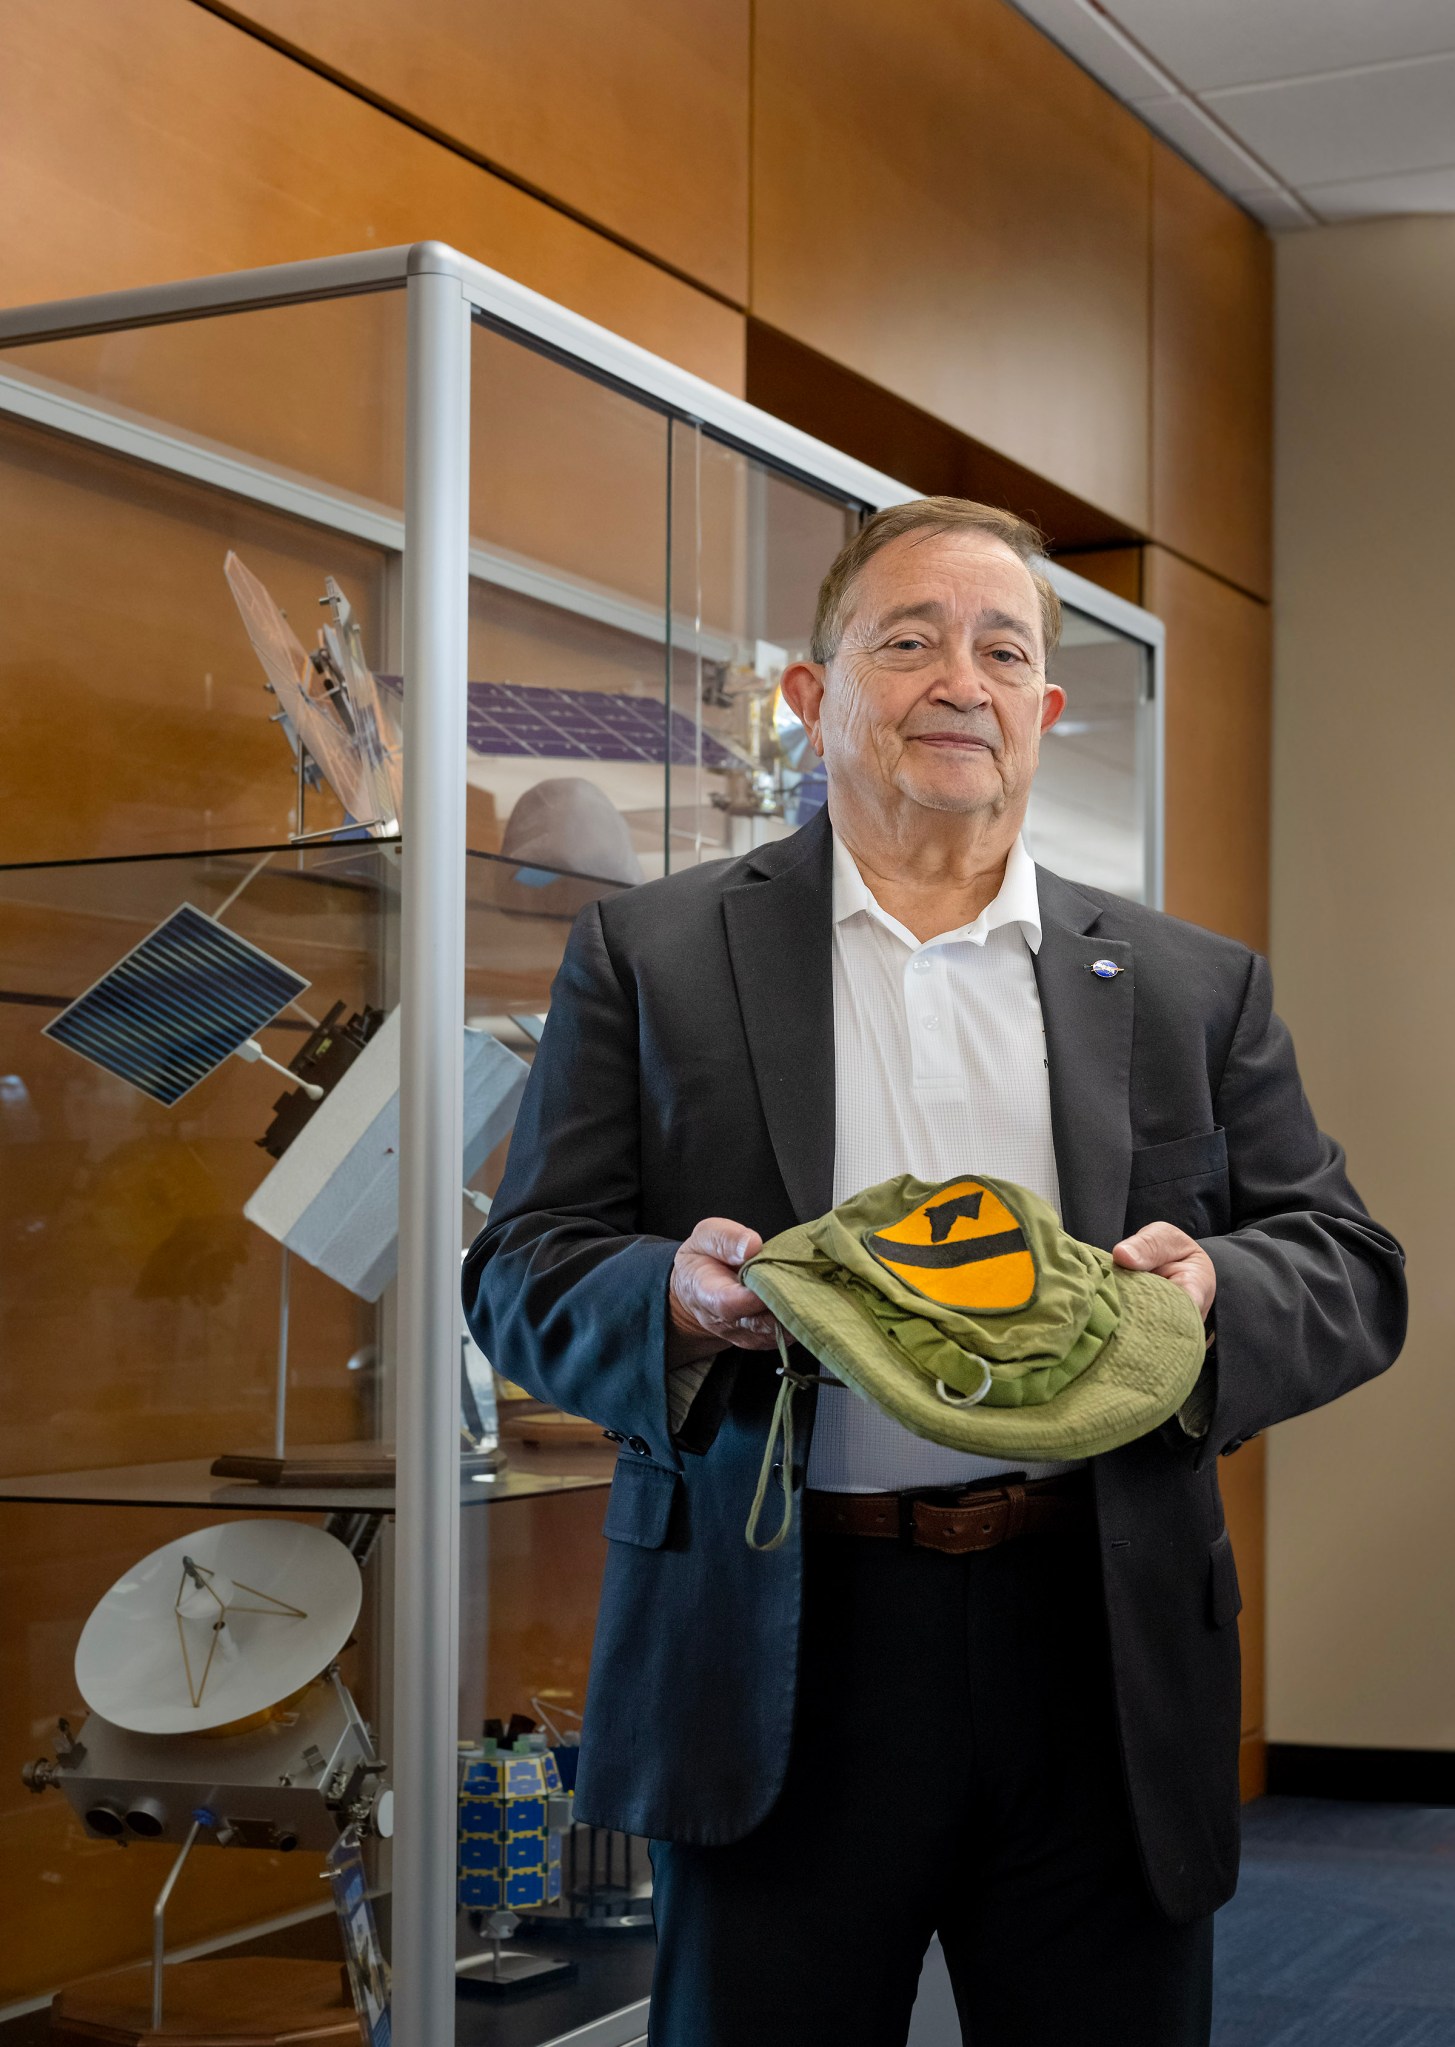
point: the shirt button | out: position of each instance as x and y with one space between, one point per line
932 1023
920 965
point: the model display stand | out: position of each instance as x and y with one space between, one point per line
261 2002
338 1464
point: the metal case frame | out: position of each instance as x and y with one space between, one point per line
446 293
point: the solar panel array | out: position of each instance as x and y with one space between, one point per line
538 722
177 1005
582 724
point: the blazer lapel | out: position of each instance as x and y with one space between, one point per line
1088 1024
780 941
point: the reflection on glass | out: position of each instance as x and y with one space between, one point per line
311 394
1088 816
749 550
638 588
129 464
568 611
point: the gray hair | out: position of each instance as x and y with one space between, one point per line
927 515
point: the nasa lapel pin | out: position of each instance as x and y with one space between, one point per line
1106 970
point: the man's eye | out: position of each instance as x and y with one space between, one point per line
1005 655
907 645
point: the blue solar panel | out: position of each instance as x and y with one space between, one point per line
177 1005
583 724
580 725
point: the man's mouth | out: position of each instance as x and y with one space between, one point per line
952 742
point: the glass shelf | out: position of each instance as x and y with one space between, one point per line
530 1474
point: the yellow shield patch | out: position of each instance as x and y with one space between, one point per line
961 1249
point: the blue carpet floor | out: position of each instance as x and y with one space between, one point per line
1343 1930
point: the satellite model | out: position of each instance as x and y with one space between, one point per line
769 767
329 704
514 1810
333 1196
216 1708
190 995
229 1634
344 724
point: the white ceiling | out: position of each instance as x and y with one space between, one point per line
1305 110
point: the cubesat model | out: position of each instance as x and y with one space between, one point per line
513 1811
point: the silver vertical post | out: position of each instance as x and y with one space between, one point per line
280 1396
432 1008
159 1924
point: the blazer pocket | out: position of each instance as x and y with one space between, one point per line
1185 1158
639 1509
1224 1600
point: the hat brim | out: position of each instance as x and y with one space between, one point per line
1142 1375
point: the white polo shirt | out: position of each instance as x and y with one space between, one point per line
939 1069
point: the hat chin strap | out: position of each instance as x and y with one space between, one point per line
953 1397
780 1439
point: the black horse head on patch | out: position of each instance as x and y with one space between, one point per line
943 1217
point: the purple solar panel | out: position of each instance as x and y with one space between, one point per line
579 725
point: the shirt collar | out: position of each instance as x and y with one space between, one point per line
1018 901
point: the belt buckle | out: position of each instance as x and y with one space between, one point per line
909 1500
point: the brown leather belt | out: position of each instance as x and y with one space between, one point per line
982 1517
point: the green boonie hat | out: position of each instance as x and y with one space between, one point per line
967 1313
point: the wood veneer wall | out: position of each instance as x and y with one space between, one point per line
151 139
1011 287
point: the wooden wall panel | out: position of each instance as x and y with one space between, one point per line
634 114
1219 736
957 211
1118 569
1212 377
148 139
1243 1478
837 405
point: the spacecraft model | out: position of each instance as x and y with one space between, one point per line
329 704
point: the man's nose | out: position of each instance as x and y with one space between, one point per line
958 680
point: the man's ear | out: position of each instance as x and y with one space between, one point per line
1053 703
803 686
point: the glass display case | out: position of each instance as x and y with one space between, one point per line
365 620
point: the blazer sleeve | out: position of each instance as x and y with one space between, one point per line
562 1290
1311 1297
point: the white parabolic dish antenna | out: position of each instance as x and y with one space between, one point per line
218 1626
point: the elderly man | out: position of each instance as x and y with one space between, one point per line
1018 1729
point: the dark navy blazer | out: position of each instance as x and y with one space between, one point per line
687 1070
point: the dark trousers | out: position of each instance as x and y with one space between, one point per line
954 1770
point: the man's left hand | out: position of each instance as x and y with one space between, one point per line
1164 1249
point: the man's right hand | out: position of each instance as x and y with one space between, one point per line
710 1309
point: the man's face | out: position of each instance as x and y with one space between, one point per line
937 694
